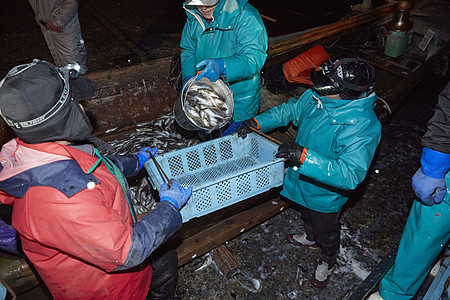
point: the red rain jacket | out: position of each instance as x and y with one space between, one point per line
75 237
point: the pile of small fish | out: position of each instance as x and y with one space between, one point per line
161 133
205 107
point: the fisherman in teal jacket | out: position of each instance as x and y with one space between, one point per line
427 230
338 133
226 39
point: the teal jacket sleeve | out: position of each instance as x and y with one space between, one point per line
188 44
251 52
283 114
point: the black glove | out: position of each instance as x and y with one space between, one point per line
290 151
244 128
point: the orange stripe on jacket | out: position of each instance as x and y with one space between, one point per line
303 157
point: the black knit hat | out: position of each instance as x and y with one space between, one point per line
40 102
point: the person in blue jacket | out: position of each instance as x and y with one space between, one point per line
427 230
338 133
226 39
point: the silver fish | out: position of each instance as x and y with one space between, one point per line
206 108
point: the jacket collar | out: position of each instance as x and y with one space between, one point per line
224 16
75 152
344 111
48 164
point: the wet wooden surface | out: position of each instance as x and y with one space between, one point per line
131 95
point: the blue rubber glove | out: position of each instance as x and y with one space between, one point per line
213 68
176 194
185 80
429 190
143 155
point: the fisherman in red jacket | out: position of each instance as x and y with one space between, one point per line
72 206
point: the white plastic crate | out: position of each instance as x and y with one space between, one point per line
221 172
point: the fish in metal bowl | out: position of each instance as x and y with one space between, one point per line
205 104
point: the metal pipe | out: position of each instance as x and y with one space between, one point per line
169 182
266 136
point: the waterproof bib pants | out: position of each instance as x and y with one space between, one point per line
426 233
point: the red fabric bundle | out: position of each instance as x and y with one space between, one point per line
298 69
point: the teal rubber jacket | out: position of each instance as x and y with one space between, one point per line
341 137
238 36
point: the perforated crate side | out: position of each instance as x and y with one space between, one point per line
190 159
233 190
263 149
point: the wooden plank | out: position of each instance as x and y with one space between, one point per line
225 261
196 225
321 32
202 242
131 95
117 77
385 68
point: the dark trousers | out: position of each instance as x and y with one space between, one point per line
165 276
325 230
